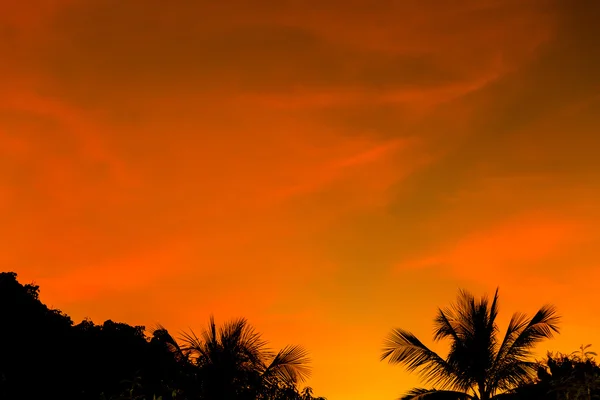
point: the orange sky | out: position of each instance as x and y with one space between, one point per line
329 169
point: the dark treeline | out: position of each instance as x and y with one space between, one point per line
43 354
563 377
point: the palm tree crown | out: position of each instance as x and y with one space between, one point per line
479 365
235 363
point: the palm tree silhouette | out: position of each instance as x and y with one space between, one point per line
234 362
479 365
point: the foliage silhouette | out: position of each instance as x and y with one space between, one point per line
44 355
479 365
583 354
233 362
571 377
32 338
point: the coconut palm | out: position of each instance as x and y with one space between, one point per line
234 362
480 365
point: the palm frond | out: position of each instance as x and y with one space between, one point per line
231 332
162 334
517 323
512 375
493 314
290 364
462 319
523 335
444 326
433 394
252 344
402 347
470 324
193 346
209 335
494 307
511 366
465 309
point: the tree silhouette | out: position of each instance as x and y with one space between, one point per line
562 376
479 365
583 354
233 362
43 355
32 339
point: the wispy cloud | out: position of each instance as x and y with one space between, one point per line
513 249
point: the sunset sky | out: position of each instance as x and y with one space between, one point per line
328 169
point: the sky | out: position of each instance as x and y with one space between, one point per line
328 169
